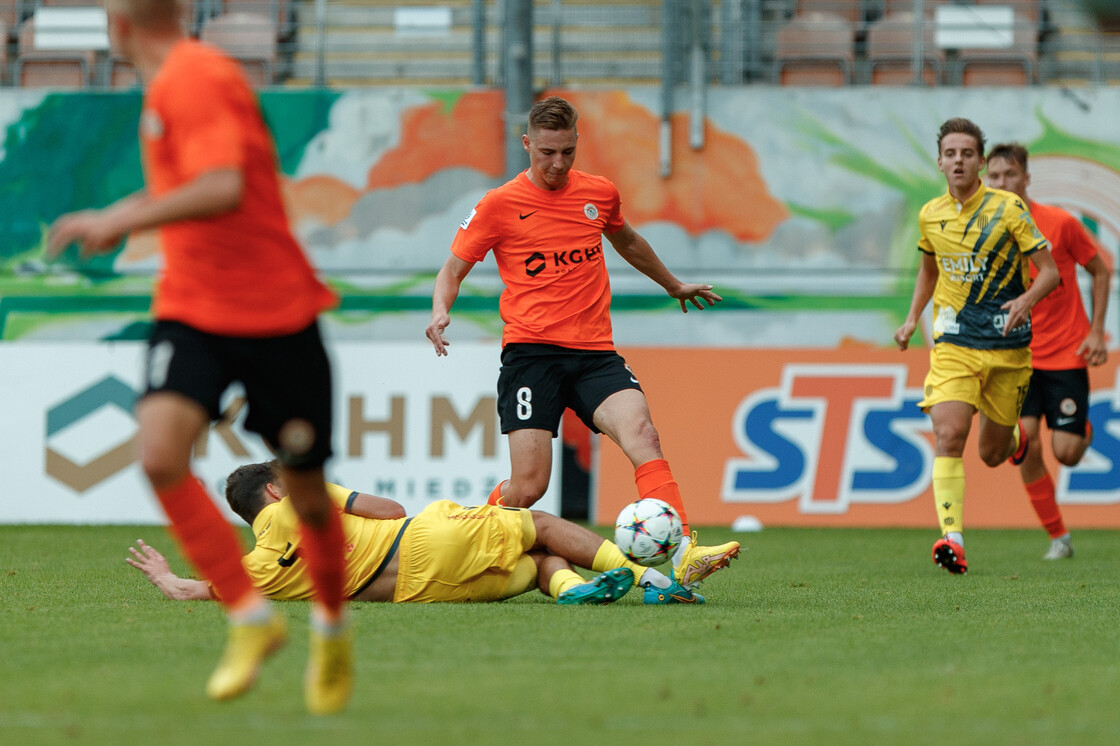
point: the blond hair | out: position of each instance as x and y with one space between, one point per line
552 113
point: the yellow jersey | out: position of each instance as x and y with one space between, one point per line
981 248
279 572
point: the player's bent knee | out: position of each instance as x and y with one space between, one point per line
163 472
523 493
1070 456
993 457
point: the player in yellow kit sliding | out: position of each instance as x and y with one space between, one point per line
446 553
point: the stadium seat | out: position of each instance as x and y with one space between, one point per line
250 38
815 49
279 11
890 7
49 68
1013 65
1026 8
851 10
10 15
890 51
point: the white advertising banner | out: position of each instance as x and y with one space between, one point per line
408 426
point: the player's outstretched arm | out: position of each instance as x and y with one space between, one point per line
155 568
923 291
1094 348
211 193
448 281
95 231
637 252
372 506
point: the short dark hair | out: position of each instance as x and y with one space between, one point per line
245 488
1010 151
552 113
960 125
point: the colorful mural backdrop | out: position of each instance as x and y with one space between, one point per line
800 207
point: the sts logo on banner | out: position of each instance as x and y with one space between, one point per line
834 435
830 436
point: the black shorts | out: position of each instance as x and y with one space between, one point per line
537 382
287 382
1062 396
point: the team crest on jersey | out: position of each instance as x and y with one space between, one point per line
591 211
1068 407
151 125
467 220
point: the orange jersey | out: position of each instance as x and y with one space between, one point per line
549 250
1059 320
241 273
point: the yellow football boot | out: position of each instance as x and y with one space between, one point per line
247 648
699 562
330 673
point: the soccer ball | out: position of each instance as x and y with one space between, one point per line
648 531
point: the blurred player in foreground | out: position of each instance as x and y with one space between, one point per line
446 553
974 242
1064 343
546 230
237 300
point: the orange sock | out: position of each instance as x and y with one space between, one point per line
207 539
322 548
1045 504
496 495
655 480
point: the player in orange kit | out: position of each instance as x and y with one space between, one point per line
546 229
237 301
1065 342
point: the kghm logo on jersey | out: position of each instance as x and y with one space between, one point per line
535 264
591 211
561 261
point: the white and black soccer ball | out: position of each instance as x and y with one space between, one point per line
648 531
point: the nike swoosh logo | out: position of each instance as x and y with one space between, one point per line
534 212
1063 421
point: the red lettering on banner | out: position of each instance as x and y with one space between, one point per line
840 393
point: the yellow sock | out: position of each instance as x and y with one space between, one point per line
948 493
610 556
562 580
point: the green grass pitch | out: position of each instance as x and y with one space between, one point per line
811 637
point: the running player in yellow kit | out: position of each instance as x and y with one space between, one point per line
973 243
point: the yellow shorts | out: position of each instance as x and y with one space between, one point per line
452 553
993 381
